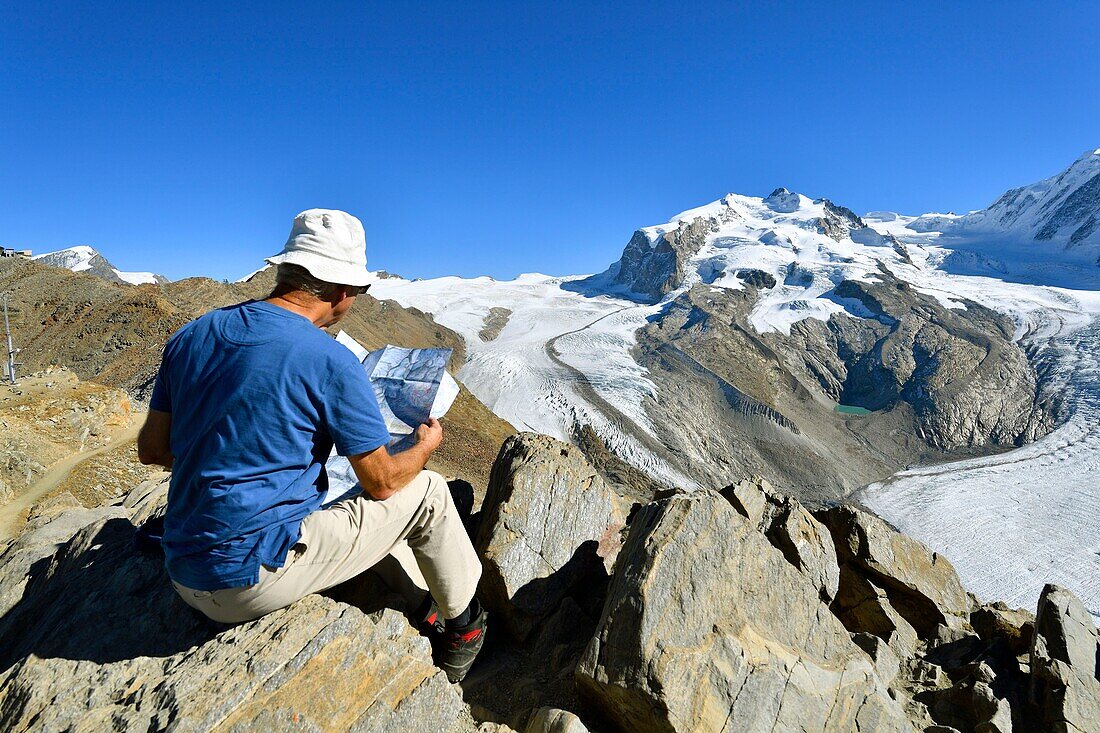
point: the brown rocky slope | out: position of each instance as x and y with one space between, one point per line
113 335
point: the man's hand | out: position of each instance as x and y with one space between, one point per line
382 475
429 435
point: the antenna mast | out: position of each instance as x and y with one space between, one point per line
12 351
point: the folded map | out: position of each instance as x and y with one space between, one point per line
411 385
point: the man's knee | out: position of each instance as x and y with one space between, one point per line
437 489
434 478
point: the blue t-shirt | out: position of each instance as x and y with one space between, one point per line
258 395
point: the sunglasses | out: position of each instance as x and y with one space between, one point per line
354 290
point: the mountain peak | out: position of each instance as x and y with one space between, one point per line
783 201
83 258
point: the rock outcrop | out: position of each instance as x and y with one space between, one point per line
803 540
550 523
707 627
920 584
93 637
653 265
738 610
1065 665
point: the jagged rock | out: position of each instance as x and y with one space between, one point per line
803 540
53 506
549 523
552 720
996 621
838 221
1065 652
707 627
970 704
864 607
757 278
887 664
920 584
98 640
806 544
656 267
748 497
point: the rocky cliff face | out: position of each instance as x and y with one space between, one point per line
655 262
653 268
721 611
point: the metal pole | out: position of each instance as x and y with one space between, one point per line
12 351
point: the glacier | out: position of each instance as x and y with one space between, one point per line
1009 522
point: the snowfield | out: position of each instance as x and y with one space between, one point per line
1009 523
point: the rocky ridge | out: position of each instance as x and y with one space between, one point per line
720 611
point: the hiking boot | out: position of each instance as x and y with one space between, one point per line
429 622
461 646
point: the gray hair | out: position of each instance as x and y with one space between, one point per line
295 277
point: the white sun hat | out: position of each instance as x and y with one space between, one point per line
330 244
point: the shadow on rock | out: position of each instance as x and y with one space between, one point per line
583 577
101 600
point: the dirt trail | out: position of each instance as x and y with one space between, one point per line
11 512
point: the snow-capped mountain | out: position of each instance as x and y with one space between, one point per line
1035 232
1063 209
85 259
796 250
744 335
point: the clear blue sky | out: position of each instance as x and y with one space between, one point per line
492 139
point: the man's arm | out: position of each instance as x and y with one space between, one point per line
382 475
153 443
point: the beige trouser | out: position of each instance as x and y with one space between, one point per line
414 539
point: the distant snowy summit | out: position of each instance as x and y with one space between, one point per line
797 249
85 259
1052 224
1063 210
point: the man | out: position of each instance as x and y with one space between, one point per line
247 405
